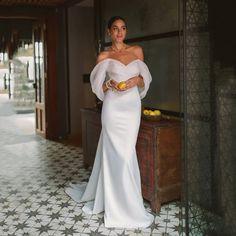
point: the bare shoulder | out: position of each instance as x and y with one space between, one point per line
137 51
102 55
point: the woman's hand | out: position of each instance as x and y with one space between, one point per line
132 82
114 84
111 84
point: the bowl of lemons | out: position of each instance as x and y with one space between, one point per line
151 114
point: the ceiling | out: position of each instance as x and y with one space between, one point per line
43 3
46 3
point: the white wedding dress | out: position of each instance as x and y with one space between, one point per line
114 185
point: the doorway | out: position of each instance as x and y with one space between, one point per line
23 72
17 73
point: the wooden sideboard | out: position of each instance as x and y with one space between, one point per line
159 156
158 151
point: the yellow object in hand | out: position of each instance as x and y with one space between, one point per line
121 85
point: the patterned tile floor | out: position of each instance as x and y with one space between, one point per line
33 173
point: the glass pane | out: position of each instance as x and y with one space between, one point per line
143 17
41 66
162 58
39 70
37 82
42 79
36 45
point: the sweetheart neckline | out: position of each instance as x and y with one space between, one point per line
125 65
122 62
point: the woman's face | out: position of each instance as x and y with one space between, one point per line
118 31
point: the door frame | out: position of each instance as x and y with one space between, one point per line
49 16
40 69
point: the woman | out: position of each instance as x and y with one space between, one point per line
114 185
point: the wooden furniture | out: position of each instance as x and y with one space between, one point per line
158 151
159 156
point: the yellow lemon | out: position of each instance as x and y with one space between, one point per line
121 85
157 112
152 113
146 112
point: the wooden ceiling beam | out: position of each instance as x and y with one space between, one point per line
41 3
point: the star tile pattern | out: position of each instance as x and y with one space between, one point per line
33 174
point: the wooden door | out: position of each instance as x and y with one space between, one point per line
39 42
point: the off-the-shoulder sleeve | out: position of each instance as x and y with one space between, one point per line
97 78
147 78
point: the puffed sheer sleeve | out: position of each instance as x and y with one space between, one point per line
147 78
97 78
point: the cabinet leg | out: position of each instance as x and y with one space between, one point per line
156 205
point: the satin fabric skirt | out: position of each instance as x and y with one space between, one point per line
114 185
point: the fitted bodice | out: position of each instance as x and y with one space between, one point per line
118 71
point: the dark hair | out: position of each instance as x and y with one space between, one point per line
113 19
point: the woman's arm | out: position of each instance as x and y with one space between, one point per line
102 56
135 81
